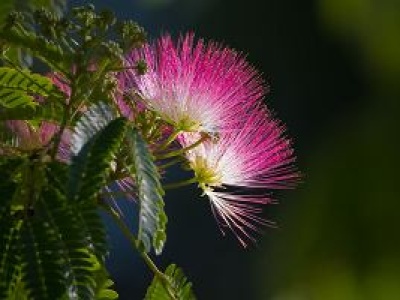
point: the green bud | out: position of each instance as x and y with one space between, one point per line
141 67
12 19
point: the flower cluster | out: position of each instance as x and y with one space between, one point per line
205 89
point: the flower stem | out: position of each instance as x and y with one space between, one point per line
171 163
182 150
135 244
58 136
170 139
179 184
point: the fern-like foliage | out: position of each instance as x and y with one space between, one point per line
104 285
9 239
42 269
51 111
52 238
9 228
152 218
45 254
72 243
32 43
5 7
47 249
92 121
91 167
19 55
17 87
87 278
178 288
18 291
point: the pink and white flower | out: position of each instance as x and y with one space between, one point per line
28 138
196 86
235 170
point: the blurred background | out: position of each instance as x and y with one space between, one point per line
333 68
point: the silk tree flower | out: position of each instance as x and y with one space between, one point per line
195 86
28 138
235 171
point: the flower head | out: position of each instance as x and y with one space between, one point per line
235 170
28 138
197 87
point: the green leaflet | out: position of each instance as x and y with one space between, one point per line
152 218
90 124
17 87
42 266
18 291
5 7
51 248
92 163
72 243
103 284
18 55
179 287
56 6
9 228
46 111
9 239
42 48
90 168
46 254
93 283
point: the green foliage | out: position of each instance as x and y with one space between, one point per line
19 55
9 227
18 291
178 287
52 239
17 87
72 242
47 111
9 235
56 6
152 218
5 7
47 50
49 244
42 269
90 168
103 285
95 144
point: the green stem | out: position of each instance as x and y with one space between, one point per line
148 126
65 120
182 150
179 184
171 163
58 135
170 139
135 244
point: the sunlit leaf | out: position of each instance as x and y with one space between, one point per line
152 218
177 288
